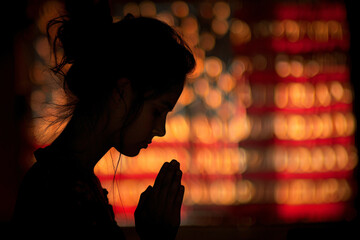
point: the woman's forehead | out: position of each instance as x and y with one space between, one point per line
170 97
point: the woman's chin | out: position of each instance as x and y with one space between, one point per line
129 152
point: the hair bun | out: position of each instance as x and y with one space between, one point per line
95 11
85 24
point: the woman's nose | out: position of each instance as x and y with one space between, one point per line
160 129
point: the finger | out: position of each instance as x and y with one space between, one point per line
173 190
165 193
160 177
177 205
143 198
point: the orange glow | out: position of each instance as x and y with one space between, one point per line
147 9
201 129
301 191
281 95
199 69
239 32
297 94
180 9
42 47
308 99
311 68
221 10
226 82
166 17
260 62
213 66
297 68
214 98
245 191
201 87
283 68
48 11
337 91
223 192
239 128
292 30
206 10
322 94
189 25
187 96
132 8
296 127
277 29
179 126
324 125
220 27
207 41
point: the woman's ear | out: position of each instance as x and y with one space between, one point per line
122 97
123 90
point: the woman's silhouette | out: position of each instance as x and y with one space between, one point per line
123 80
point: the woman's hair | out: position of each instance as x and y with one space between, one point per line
148 52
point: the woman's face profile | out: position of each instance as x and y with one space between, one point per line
150 122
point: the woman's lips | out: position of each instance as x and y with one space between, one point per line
145 144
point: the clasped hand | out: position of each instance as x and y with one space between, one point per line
157 215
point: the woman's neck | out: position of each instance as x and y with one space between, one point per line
83 143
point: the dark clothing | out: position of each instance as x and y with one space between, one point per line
57 199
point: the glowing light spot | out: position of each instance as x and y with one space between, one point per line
317 159
226 82
329 158
328 125
180 128
296 94
180 9
308 99
239 128
207 41
147 9
297 68
214 98
220 27
322 94
340 124
187 96
245 191
239 32
281 95
342 158
201 129
213 66
221 10
311 68
201 87
293 160
337 91
283 68
292 30
296 127
280 159
223 192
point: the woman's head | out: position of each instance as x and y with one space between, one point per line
141 55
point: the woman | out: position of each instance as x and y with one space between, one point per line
124 79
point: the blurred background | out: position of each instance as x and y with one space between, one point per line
265 130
